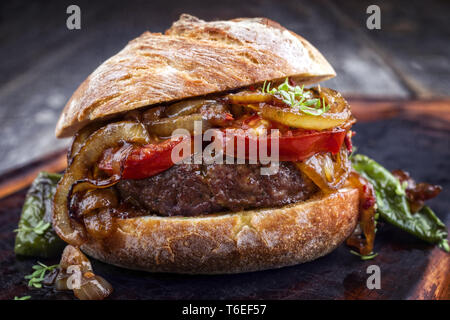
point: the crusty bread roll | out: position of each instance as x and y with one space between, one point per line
192 58
231 243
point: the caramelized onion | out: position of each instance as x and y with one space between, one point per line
329 172
80 137
164 127
363 237
72 256
186 107
153 114
99 224
216 113
333 99
183 115
96 288
86 285
107 137
416 193
240 110
297 119
92 201
272 108
61 283
249 97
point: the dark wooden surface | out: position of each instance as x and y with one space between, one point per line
410 269
42 62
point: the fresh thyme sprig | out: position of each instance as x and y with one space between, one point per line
38 275
296 97
38 229
364 257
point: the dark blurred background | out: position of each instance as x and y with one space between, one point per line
42 62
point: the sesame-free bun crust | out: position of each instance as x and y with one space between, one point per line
231 243
193 58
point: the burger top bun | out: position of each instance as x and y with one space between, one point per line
192 58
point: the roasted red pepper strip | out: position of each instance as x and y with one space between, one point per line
294 145
149 160
142 161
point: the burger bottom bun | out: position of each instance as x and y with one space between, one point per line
231 243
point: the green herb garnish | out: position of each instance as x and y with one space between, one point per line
22 298
38 229
297 98
38 275
364 257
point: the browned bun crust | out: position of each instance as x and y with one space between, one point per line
231 243
193 58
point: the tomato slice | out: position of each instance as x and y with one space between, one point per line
293 145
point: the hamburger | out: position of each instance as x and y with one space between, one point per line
138 196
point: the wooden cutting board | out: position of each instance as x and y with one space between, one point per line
413 135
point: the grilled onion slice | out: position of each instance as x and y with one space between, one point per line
249 98
94 288
329 172
186 107
297 119
165 126
271 108
76 274
183 115
107 137
80 137
92 201
338 113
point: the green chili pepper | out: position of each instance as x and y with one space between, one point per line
393 205
35 236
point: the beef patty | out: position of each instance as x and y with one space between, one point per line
191 189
